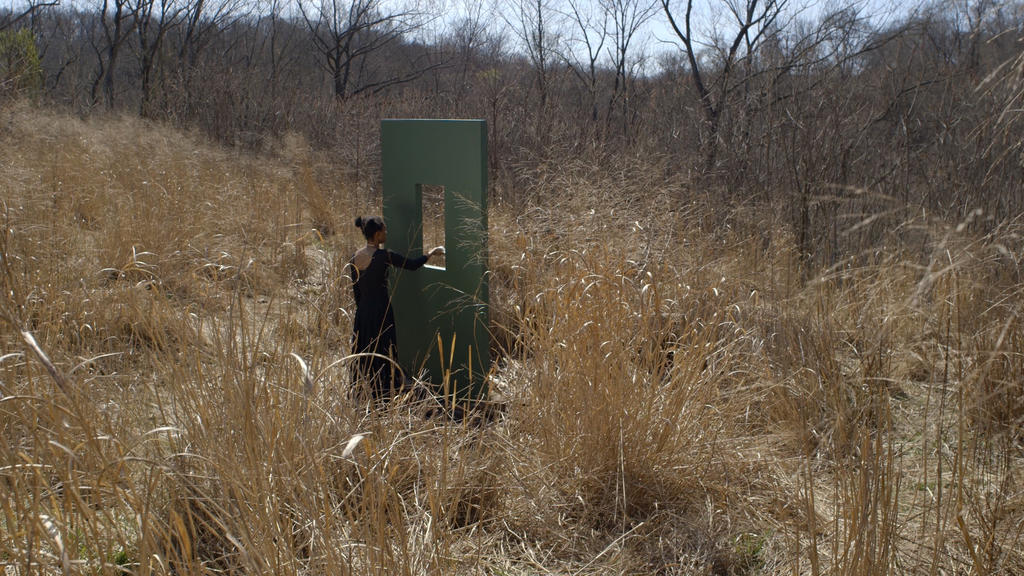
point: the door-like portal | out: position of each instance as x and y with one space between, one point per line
435 175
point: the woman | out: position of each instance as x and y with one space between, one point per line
374 326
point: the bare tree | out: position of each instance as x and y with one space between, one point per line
583 48
9 19
281 46
532 21
202 19
627 17
347 32
468 36
153 20
751 20
60 42
115 19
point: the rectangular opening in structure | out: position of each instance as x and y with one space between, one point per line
433 221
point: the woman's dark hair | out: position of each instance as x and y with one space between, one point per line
370 226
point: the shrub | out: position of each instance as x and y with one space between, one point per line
20 71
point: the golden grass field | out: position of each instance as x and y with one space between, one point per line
683 395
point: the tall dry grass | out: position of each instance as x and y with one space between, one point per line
682 395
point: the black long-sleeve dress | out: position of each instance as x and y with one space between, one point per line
373 329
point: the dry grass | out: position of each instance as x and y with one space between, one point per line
683 397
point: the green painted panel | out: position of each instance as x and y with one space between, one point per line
450 303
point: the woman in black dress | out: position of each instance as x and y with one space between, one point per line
373 331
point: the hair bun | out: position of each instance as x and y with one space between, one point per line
359 222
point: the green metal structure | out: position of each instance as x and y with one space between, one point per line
441 313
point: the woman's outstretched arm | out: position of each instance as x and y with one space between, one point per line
400 261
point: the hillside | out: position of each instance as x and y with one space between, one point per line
684 392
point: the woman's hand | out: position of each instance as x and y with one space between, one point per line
439 251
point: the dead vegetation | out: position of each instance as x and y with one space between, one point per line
684 395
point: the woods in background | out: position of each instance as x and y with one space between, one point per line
803 113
